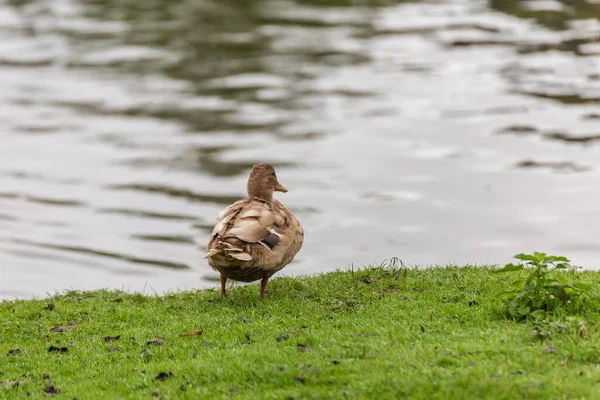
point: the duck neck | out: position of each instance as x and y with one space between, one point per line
257 191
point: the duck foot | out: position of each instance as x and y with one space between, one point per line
263 285
223 282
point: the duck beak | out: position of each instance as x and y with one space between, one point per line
280 188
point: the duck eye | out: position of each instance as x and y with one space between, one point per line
273 173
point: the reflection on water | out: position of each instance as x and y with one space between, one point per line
438 132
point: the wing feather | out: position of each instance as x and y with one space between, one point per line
251 222
249 230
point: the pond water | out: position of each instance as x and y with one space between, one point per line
439 132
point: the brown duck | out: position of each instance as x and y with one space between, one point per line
255 237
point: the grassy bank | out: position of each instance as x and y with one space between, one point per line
377 333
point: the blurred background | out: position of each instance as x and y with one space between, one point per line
439 132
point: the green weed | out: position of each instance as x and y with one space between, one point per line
543 290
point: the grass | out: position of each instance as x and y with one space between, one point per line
380 333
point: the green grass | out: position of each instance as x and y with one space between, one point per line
380 333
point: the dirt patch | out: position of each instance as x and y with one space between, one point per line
368 279
58 349
283 336
51 390
163 376
303 348
196 332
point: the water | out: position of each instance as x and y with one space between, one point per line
437 131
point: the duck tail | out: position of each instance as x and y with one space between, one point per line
212 253
229 251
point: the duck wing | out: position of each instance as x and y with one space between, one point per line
249 222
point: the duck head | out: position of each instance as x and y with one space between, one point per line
263 182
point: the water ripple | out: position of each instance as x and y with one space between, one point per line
174 192
465 130
43 200
101 253
147 214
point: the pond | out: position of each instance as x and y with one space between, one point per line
438 132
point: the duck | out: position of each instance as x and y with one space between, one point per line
254 237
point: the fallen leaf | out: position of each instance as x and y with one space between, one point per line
549 348
9 384
49 307
566 360
582 332
155 392
46 375
194 333
233 390
111 338
14 352
57 329
517 372
422 328
300 378
155 341
111 346
163 375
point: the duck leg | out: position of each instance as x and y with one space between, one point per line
223 282
263 285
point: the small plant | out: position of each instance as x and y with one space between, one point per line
543 290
